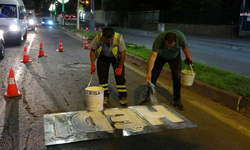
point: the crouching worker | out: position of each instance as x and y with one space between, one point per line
166 49
109 48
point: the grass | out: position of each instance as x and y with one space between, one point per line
229 81
87 34
221 79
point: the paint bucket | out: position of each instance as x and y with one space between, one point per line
187 77
94 98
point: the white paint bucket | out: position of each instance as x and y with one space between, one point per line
94 98
187 77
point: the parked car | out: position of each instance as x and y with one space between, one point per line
47 21
32 21
2 52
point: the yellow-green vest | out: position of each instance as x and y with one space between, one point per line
116 42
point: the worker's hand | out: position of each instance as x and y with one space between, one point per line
118 70
148 78
188 60
92 68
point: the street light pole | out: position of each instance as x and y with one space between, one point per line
63 5
55 10
92 21
77 15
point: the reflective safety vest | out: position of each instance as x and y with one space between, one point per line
116 43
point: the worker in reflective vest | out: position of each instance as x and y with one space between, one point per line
108 48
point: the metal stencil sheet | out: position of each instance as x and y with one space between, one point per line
78 126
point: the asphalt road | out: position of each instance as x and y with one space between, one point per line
56 83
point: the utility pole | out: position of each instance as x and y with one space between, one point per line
92 21
77 14
63 13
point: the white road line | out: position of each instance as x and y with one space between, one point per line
31 42
20 70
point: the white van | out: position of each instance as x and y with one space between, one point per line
13 21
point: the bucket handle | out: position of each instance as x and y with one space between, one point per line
190 67
90 80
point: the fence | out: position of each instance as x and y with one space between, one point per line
220 16
144 16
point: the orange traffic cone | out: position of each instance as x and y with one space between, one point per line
12 88
86 44
60 47
41 52
25 56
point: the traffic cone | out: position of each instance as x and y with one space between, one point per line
86 44
99 29
60 47
25 56
41 52
87 28
12 88
95 28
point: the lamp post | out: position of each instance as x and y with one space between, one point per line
55 9
77 14
92 21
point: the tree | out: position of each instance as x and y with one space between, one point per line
29 4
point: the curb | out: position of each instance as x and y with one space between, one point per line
76 34
221 96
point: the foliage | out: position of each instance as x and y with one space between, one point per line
28 3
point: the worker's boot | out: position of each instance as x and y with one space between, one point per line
123 101
177 103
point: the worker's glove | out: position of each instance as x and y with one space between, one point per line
118 70
188 60
92 68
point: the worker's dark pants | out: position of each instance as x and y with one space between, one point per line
175 66
103 64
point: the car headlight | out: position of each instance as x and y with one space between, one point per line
14 28
50 22
31 21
